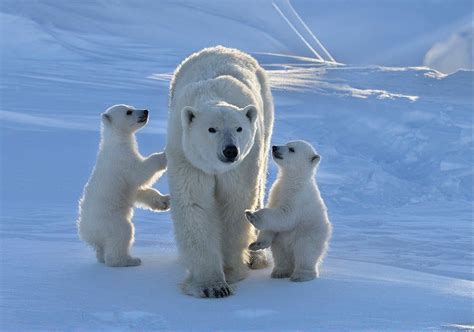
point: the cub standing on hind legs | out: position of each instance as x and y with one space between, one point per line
121 178
296 223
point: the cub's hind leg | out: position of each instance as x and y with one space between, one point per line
307 253
117 246
310 251
282 259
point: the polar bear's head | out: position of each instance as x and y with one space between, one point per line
124 119
297 157
217 138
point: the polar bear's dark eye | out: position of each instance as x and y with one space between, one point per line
129 112
239 129
212 130
291 150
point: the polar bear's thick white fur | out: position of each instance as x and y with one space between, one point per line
120 179
220 124
295 223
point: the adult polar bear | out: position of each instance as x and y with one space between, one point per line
219 130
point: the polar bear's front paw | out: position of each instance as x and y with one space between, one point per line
216 290
254 219
161 203
259 245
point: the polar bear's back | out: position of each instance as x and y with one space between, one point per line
213 62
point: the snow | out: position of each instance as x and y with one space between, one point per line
390 33
454 53
348 295
396 171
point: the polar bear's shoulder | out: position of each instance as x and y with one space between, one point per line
223 87
219 56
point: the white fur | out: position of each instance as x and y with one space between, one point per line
120 179
223 89
295 223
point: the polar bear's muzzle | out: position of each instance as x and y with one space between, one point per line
143 117
276 153
230 153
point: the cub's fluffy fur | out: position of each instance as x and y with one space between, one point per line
120 179
295 223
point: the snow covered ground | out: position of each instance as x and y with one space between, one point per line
397 168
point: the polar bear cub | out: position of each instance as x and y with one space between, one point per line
121 179
295 223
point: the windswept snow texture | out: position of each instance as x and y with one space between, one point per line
396 172
390 32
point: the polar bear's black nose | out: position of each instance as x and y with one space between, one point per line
145 112
230 152
274 148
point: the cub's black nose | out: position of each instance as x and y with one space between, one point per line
274 148
145 112
230 152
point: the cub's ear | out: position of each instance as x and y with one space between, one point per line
250 112
315 159
188 115
106 119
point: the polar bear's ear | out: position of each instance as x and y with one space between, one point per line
106 118
188 114
250 112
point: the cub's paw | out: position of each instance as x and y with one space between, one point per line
122 261
134 261
253 219
100 257
161 203
259 245
257 260
99 254
280 274
301 276
161 161
215 290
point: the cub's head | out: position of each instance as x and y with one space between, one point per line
124 119
217 138
296 157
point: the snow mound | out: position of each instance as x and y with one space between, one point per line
454 53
